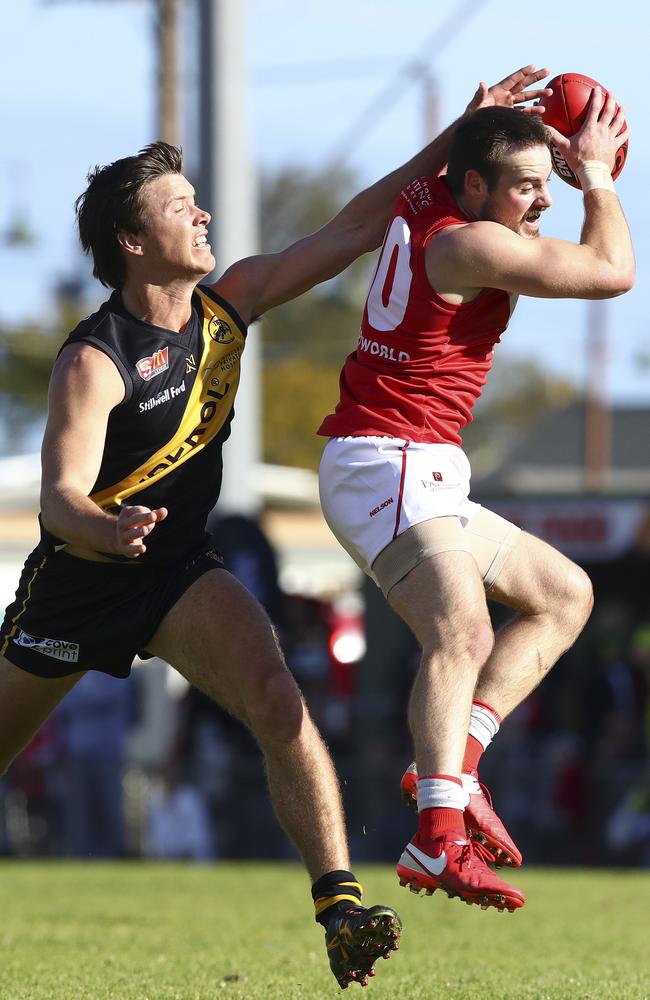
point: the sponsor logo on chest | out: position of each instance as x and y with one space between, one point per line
154 365
200 434
165 396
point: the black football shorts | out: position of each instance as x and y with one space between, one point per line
71 614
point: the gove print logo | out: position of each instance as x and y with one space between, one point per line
59 649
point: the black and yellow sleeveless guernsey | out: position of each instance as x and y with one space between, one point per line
163 449
164 441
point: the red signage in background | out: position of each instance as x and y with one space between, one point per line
588 530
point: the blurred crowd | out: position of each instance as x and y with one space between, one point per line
149 767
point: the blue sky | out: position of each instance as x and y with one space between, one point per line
77 86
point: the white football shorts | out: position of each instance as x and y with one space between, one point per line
406 501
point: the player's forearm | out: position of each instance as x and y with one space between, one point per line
69 514
606 232
371 209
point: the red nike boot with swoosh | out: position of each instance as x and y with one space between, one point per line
481 821
456 866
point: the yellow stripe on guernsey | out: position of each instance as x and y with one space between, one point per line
207 410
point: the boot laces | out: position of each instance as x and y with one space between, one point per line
482 852
465 856
486 793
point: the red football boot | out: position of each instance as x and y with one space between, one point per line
409 785
481 821
455 865
483 824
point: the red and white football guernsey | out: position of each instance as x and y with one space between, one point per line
421 362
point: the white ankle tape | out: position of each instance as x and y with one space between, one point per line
483 725
471 785
440 793
594 174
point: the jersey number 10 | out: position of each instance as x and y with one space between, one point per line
389 292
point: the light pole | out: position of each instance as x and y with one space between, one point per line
598 421
226 186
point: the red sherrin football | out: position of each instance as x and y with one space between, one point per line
566 110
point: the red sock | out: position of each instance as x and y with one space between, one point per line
473 754
438 820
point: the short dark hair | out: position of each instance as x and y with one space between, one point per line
113 202
484 139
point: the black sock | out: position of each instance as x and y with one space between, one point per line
333 891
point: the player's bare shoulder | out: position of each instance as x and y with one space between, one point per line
86 371
239 285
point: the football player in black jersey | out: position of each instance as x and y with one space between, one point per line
140 403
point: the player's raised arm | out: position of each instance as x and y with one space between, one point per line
258 283
84 388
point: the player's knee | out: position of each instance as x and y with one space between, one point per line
468 640
276 709
479 641
569 604
577 600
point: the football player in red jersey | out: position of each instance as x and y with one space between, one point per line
131 470
395 483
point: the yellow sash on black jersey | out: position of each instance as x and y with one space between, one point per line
208 406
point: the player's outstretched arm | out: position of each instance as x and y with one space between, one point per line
84 388
258 283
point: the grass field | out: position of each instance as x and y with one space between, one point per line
132 931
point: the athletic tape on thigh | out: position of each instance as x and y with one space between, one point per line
491 540
417 543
